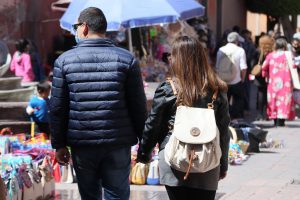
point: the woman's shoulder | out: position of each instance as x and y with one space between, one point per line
165 87
25 56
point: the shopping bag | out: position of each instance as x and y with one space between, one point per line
67 174
139 174
293 70
37 184
47 179
153 174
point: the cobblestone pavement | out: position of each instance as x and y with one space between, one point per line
272 174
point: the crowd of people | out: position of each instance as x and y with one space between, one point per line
98 104
272 58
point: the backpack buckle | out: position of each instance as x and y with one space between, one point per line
195 131
210 105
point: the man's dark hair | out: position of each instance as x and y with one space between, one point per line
296 40
43 87
94 18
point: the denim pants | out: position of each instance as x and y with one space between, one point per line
106 167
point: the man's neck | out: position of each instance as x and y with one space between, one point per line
95 36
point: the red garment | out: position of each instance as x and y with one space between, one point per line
280 90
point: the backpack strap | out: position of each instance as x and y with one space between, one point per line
213 99
172 85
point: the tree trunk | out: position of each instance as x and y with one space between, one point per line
294 22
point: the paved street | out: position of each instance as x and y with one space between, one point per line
273 174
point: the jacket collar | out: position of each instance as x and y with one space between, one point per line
101 42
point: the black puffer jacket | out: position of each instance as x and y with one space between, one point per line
97 96
162 116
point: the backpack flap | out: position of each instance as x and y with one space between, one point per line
189 126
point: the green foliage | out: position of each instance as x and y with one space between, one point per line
274 7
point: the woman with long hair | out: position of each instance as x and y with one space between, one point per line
195 82
265 46
276 70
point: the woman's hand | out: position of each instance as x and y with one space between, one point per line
222 175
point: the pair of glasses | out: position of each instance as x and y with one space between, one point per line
75 26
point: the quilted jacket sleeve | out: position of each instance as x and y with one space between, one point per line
136 99
223 119
59 107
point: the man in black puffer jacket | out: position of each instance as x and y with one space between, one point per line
98 108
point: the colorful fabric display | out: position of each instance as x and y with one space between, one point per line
5 146
14 191
236 155
9 160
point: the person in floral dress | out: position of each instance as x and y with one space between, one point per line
280 89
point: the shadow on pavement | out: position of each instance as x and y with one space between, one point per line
266 152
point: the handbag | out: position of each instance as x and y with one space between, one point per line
256 70
293 71
194 144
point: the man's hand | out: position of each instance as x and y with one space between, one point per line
62 156
222 175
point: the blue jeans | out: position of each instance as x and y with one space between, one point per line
106 167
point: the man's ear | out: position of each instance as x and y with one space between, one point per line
85 30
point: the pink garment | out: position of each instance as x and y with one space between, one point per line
280 90
21 66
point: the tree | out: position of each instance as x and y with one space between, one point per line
285 11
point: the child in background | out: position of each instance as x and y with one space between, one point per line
38 110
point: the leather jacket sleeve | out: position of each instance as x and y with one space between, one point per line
222 120
156 126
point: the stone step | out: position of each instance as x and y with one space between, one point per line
10 83
16 126
13 111
17 95
5 68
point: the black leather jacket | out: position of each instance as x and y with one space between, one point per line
161 119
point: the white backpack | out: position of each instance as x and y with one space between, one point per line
194 145
225 66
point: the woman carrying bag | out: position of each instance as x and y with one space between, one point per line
195 83
265 46
277 70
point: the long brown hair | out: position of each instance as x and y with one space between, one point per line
193 75
266 44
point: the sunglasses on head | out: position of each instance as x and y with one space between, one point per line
75 26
